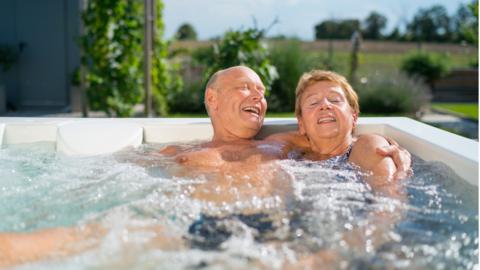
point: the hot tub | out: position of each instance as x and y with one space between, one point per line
58 172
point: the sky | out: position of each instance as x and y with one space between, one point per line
297 18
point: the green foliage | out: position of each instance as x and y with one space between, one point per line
165 77
291 62
113 47
471 28
242 48
186 32
431 24
113 51
426 66
391 93
8 57
373 25
336 29
188 99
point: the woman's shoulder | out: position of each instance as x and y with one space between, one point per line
365 147
369 140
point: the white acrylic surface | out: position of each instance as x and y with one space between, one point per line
93 136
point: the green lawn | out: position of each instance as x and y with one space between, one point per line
469 110
369 61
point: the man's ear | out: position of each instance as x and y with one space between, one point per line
301 127
211 99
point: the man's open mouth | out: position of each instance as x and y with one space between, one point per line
251 109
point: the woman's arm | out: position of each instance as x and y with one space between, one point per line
381 168
382 179
400 156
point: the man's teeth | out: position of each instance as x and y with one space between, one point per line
252 110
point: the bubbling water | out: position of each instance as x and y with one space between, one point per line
331 210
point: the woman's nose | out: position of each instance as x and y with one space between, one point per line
324 104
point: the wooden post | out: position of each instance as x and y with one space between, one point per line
356 43
147 43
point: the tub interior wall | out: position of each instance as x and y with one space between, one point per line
94 136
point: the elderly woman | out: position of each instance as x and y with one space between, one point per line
327 111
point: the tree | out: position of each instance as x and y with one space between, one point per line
432 24
336 29
186 32
373 26
395 35
466 22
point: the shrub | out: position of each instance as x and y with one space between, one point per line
291 62
241 48
234 48
391 93
426 66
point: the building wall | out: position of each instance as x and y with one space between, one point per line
64 48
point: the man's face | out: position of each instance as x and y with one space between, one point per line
240 104
326 112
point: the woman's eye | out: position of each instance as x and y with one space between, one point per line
334 100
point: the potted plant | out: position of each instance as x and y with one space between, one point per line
8 56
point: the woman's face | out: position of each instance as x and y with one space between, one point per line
326 112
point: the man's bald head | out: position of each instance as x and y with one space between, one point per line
216 81
212 82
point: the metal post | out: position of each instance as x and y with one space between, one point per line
147 54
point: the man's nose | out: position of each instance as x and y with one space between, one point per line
256 94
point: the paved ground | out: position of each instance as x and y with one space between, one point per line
453 123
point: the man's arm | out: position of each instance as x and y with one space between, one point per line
290 140
16 248
401 157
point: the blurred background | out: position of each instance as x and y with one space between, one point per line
151 58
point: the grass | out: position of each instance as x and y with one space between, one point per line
468 110
391 61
